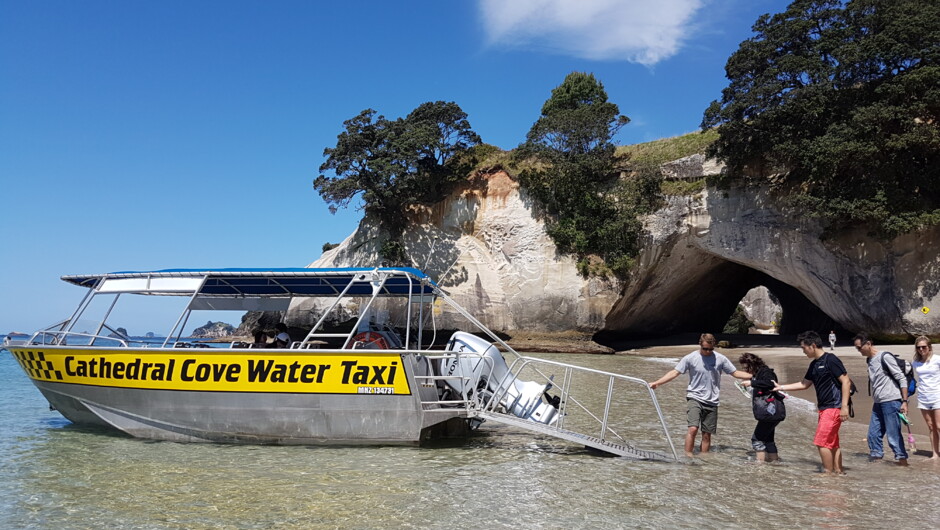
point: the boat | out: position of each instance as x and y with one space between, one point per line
371 370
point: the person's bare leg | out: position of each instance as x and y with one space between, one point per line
690 441
837 460
931 418
761 456
706 442
827 458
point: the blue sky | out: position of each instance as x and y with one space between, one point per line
147 135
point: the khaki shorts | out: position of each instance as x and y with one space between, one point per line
703 416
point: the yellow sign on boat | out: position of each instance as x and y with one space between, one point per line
226 371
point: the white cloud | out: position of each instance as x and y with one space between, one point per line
641 31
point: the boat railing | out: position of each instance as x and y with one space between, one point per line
79 338
469 397
566 390
74 338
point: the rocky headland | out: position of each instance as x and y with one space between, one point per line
213 330
703 252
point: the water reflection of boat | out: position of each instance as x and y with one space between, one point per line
378 380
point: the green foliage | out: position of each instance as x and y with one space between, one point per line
841 101
329 246
645 160
577 120
395 163
570 168
486 157
393 252
738 323
682 187
664 150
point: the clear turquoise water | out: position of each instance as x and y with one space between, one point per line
55 475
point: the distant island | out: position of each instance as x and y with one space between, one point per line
213 330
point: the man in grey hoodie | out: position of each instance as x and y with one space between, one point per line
889 393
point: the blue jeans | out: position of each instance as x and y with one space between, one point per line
884 420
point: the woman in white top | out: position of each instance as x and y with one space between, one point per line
927 369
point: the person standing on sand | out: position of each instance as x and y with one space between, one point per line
927 369
704 367
832 341
827 374
888 386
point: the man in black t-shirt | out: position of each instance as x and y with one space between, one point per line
827 374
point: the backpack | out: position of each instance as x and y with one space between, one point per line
905 369
768 406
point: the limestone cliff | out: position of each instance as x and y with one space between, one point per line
485 245
490 252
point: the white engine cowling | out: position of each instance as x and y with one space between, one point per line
484 363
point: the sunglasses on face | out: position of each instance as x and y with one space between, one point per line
707 349
923 347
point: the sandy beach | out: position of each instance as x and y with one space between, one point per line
787 359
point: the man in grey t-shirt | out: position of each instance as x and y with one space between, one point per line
888 386
704 367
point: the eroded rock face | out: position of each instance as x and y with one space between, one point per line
761 307
490 252
486 247
703 251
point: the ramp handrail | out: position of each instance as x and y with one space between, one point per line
515 369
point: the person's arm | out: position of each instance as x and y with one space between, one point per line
765 381
896 374
846 391
904 397
802 385
741 374
670 375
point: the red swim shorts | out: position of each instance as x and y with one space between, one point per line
827 430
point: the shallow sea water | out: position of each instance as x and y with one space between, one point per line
56 475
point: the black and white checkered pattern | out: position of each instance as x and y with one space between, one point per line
37 367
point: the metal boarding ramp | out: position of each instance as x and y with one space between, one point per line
496 406
623 449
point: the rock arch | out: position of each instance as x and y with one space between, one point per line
702 297
705 252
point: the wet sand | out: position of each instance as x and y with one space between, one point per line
790 364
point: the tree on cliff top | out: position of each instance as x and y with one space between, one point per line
840 100
573 138
396 163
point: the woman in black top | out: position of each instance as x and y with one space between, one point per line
762 385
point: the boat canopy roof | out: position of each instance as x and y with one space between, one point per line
262 283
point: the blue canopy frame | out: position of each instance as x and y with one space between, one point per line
275 282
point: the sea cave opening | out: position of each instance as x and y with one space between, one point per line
705 297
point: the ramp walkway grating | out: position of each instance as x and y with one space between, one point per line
619 449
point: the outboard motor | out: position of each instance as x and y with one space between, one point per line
484 363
